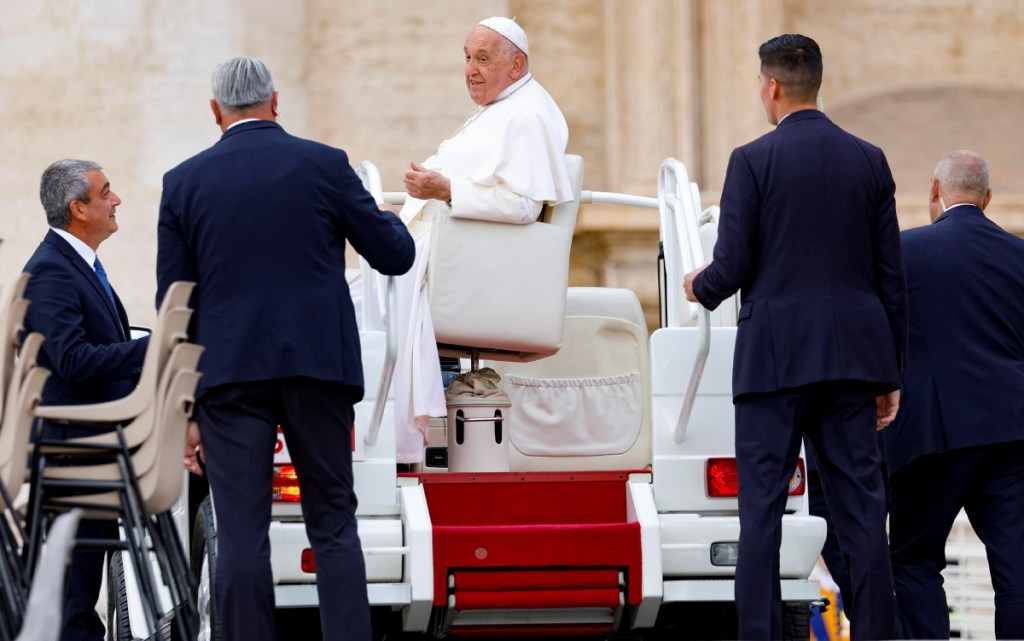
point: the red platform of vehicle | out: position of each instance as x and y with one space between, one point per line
562 536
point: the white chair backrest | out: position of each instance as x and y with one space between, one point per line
500 288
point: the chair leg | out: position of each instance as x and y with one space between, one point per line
180 575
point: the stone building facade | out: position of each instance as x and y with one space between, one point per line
126 82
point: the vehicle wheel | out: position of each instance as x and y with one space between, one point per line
796 621
204 563
119 627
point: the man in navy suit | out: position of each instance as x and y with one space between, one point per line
87 347
260 221
808 233
959 440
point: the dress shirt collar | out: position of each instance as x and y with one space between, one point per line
238 122
86 252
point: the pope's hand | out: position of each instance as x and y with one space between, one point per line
427 184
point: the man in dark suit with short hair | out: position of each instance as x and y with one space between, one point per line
958 442
260 222
808 232
87 344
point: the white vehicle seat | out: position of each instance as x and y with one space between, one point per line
587 407
500 288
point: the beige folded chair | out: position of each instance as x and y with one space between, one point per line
497 290
138 488
24 392
12 322
183 357
171 329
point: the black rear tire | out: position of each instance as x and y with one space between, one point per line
204 564
796 621
119 626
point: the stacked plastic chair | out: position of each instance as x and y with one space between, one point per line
21 384
130 470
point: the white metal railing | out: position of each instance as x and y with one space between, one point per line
379 297
679 208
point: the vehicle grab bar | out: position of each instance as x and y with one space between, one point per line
679 208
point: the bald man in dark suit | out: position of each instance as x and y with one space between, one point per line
958 442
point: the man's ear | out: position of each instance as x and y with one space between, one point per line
75 210
987 199
216 111
273 104
518 66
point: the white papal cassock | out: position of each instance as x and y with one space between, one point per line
504 163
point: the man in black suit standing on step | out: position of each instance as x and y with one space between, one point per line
808 232
260 221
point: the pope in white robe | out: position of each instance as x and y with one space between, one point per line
503 164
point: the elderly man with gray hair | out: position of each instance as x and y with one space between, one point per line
958 441
503 164
260 221
88 347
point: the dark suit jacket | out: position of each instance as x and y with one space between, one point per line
965 367
808 232
85 344
259 221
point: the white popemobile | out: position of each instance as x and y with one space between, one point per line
598 498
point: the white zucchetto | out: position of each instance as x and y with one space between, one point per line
510 30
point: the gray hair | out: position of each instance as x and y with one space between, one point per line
63 182
242 82
509 49
963 173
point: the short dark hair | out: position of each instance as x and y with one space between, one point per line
795 62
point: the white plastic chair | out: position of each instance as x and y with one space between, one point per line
497 289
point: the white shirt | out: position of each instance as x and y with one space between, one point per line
86 252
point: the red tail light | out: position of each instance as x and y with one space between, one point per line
308 561
285 484
722 478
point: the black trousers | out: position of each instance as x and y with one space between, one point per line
838 419
927 494
238 424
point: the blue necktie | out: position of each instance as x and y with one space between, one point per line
102 274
